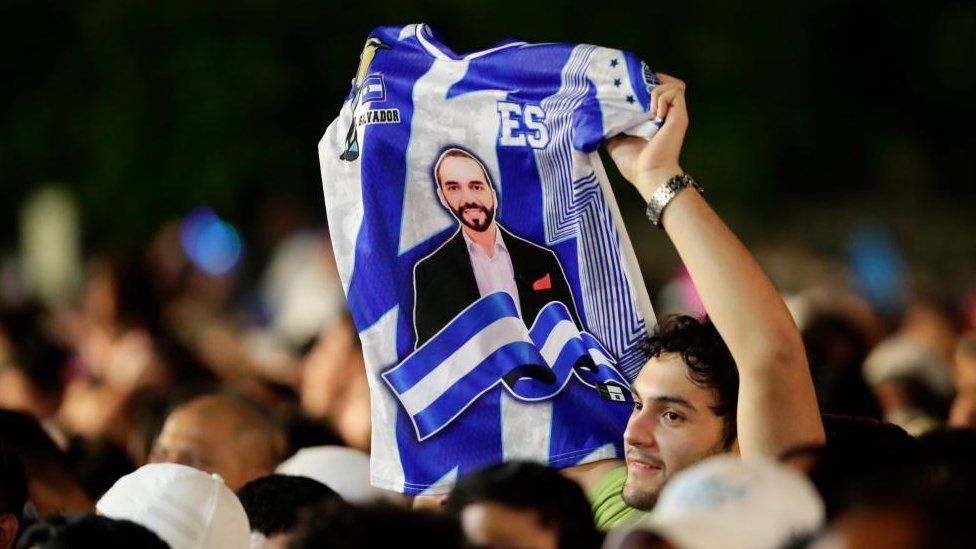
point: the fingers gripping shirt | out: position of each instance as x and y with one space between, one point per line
433 151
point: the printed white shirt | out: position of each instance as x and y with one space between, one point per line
493 273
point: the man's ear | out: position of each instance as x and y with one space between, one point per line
8 530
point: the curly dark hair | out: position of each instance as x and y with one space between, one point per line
710 364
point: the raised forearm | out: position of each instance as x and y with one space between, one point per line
777 406
742 302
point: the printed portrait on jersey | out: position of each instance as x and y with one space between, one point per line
482 256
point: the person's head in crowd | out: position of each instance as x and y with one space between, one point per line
125 343
912 383
149 410
344 470
77 531
896 525
148 413
220 434
964 362
187 508
934 317
684 406
302 432
860 458
300 289
963 411
923 502
97 464
51 484
339 524
836 348
13 496
950 460
725 501
272 503
120 295
32 363
521 504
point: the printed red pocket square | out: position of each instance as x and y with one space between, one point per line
543 283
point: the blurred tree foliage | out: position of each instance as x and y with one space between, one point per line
806 114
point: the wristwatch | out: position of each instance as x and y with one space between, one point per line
665 193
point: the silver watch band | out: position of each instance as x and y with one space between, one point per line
664 194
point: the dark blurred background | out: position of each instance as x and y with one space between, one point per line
813 121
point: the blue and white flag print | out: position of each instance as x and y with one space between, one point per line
488 344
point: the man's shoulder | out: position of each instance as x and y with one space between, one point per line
517 244
440 253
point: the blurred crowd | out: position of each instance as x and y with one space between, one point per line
132 388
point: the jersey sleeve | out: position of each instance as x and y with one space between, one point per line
618 97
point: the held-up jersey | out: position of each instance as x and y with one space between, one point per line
495 292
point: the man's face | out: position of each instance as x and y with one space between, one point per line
463 189
672 427
204 443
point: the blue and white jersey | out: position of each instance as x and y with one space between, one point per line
487 270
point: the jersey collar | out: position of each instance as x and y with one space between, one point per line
428 39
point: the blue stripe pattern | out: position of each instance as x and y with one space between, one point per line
466 326
518 349
579 211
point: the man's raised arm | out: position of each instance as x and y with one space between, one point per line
777 406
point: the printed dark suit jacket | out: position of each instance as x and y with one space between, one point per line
444 283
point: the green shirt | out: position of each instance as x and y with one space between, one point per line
607 502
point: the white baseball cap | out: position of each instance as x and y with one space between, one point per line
345 470
902 356
186 507
729 502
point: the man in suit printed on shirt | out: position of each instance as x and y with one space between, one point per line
482 257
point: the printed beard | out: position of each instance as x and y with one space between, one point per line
480 225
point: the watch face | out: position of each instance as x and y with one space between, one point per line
677 183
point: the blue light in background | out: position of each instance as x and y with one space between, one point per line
878 268
213 245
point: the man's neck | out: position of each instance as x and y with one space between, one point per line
485 239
